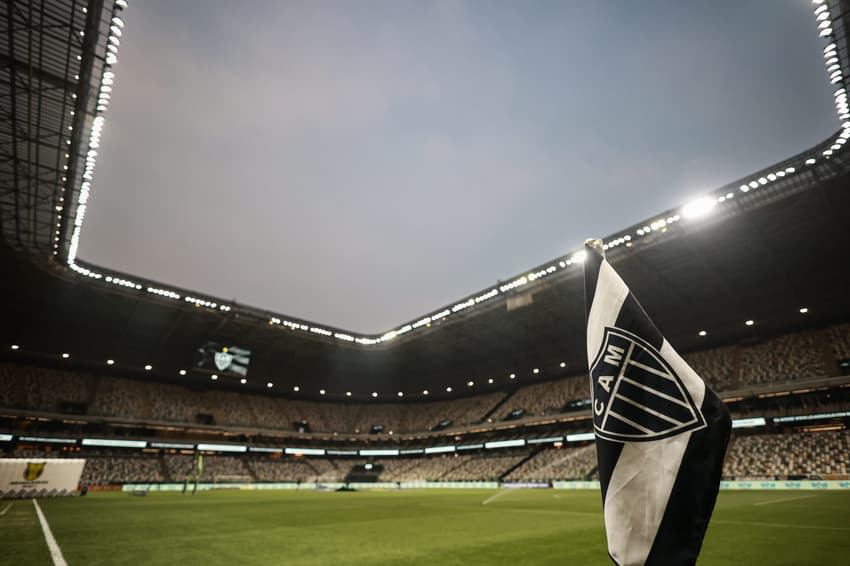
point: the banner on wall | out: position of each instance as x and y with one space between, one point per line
39 477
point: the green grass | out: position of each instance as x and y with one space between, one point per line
411 527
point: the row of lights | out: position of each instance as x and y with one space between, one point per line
692 210
113 43
751 322
67 156
296 388
104 95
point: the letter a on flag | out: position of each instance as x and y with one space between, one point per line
661 433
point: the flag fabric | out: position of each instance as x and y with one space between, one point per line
661 433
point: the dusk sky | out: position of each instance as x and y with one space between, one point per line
361 163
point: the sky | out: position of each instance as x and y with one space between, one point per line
359 164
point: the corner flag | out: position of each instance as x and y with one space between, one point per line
661 433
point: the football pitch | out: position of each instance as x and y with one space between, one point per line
407 527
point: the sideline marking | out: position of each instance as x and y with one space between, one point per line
784 499
55 552
494 496
3 512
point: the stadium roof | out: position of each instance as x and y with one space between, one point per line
760 248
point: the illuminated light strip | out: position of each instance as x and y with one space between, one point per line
580 437
163 293
305 451
114 443
439 449
47 439
797 418
201 302
223 447
106 81
749 423
545 440
378 452
173 445
504 443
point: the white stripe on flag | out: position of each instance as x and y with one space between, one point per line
643 479
638 493
607 301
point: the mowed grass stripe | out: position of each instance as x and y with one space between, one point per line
21 540
409 527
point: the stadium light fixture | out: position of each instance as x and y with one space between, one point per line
804 310
15 347
148 367
243 381
703 333
182 372
65 356
750 322
699 207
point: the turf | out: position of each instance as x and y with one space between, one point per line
412 527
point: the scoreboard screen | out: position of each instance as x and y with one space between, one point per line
217 357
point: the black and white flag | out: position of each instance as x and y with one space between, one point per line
661 433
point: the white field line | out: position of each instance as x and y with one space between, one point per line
768 502
494 496
3 512
55 552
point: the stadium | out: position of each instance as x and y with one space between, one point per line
207 430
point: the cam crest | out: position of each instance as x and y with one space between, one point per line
222 360
34 470
637 397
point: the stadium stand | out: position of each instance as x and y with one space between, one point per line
548 397
718 366
785 358
557 464
780 456
839 336
215 468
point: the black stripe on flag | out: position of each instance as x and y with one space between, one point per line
679 538
633 318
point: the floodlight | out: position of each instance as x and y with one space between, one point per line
699 207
